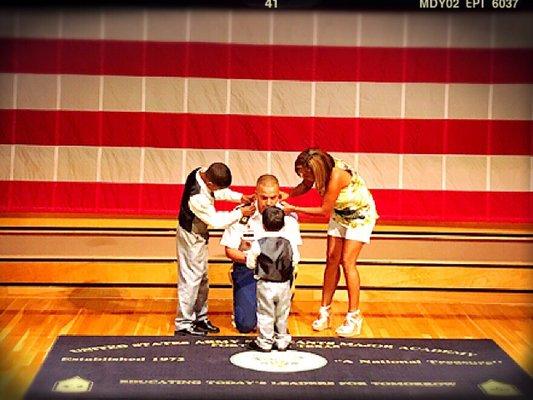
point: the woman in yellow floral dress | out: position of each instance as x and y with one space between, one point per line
352 211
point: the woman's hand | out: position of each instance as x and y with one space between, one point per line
288 208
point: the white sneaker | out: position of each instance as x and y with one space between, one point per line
352 324
323 320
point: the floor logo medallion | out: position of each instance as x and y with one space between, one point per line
76 384
277 361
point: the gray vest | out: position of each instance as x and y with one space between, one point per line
275 261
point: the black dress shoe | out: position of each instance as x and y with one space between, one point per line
206 326
192 330
254 346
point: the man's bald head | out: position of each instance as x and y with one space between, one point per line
267 191
269 180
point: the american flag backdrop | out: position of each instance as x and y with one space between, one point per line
105 111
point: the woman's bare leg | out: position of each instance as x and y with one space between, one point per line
332 270
350 253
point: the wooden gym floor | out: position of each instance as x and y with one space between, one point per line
29 325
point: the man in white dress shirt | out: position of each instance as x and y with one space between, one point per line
239 236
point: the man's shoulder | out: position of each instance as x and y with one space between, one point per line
292 230
235 227
255 223
292 222
274 239
232 235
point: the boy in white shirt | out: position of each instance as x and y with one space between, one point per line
273 258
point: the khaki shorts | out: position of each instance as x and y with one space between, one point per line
361 233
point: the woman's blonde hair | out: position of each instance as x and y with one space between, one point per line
320 162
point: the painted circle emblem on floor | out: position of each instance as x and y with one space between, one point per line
278 361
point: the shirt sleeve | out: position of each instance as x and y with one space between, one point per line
204 209
232 236
293 230
227 194
295 254
252 254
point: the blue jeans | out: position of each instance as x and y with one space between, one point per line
244 298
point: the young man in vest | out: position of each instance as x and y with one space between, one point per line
202 187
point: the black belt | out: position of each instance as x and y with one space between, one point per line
349 213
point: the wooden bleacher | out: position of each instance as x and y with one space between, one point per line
41 255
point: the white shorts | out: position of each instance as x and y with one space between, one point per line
361 233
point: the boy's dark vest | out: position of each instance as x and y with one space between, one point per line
186 217
275 261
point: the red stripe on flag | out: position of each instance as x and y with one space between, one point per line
465 136
162 57
84 57
118 129
472 65
151 199
429 135
7 55
122 58
521 70
206 133
37 127
40 55
7 126
164 128
349 70
210 60
389 65
73 130
380 135
295 63
505 138
291 133
253 62
242 61
250 132
336 133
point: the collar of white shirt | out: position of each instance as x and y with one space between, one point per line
203 187
258 214
272 234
